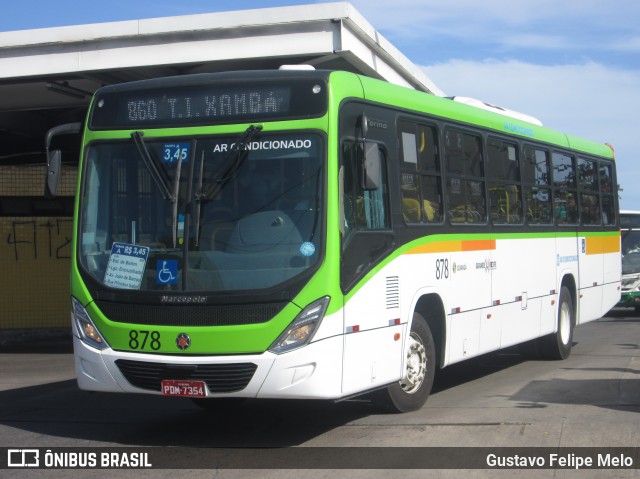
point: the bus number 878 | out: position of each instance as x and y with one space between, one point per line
442 268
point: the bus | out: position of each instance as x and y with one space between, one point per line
630 237
311 234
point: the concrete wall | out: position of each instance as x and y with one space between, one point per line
34 254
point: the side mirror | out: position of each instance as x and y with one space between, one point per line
54 157
371 166
54 166
370 179
364 124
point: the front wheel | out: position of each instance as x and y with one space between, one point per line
412 391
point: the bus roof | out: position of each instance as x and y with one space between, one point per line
446 108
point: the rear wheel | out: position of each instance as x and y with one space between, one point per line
558 345
412 391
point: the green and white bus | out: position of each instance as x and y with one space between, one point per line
320 234
630 236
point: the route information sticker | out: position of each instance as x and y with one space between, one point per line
126 266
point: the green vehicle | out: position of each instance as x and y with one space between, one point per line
630 238
313 234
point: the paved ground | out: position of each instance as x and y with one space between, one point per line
500 400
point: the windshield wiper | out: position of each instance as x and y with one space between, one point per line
155 168
237 156
161 179
197 199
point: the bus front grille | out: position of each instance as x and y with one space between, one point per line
220 378
191 315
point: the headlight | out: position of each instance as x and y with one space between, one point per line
301 329
84 328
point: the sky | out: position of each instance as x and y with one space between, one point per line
573 64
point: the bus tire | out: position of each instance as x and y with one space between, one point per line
558 345
412 391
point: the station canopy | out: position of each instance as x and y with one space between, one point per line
47 75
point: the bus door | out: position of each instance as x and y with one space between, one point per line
372 345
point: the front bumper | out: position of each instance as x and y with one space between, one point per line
629 299
311 372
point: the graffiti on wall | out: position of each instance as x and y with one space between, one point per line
25 236
35 253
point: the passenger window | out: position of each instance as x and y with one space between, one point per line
465 184
590 209
503 166
420 178
606 183
563 170
566 208
588 172
607 191
536 176
565 201
502 160
535 167
538 205
463 153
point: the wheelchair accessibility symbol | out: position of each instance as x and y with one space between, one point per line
167 271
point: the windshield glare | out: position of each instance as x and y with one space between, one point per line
630 252
229 219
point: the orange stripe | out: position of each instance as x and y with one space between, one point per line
436 247
603 244
451 246
478 245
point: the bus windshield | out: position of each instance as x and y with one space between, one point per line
631 252
201 214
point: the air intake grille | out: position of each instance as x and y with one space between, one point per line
162 315
393 292
220 378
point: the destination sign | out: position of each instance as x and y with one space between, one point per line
206 103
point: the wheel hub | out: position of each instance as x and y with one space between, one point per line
416 365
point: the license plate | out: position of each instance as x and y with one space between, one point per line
190 389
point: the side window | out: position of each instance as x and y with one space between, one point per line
590 209
364 216
536 176
588 174
420 178
565 193
566 207
362 210
589 197
503 173
465 181
606 193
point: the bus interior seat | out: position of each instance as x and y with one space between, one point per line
411 210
